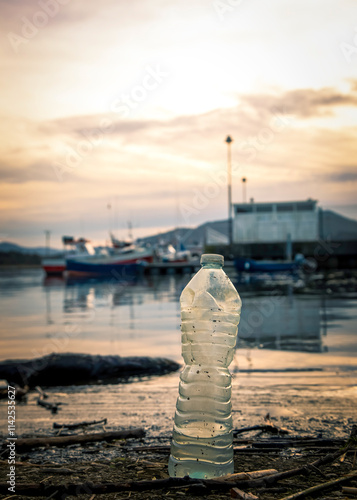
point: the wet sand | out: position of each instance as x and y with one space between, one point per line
314 403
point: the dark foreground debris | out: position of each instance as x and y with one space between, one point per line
290 478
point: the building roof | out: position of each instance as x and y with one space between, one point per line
281 206
336 227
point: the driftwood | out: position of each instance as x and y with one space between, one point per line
79 424
24 464
348 490
26 443
268 426
69 368
53 407
237 493
274 478
20 392
321 486
273 429
241 476
41 392
292 443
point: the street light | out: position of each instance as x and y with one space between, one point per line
48 235
229 140
244 180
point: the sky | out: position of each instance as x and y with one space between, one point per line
118 111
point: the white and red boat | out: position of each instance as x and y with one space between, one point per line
53 266
57 265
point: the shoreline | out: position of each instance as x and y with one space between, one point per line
300 400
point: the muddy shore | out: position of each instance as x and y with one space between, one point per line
314 405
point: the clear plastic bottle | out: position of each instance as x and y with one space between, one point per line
202 435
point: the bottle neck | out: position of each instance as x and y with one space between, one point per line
211 265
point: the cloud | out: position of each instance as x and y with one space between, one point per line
346 174
304 103
40 171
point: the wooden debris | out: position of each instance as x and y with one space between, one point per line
321 486
292 443
25 464
237 493
156 448
42 394
349 490
242 476
20 392
26 443
80 424
58 470
53 407
273 429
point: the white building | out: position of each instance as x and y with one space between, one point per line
276 222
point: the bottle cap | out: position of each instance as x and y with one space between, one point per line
212 258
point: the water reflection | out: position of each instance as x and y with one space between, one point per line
280 321
283 322
142 317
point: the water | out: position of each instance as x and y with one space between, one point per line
276 331
202 437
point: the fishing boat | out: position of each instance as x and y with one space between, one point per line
53 266
57 265
243 264
118 264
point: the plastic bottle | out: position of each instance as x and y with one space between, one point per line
202 435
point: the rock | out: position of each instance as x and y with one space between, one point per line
70 368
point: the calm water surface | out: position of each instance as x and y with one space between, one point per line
277 331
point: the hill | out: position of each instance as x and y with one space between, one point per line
6 246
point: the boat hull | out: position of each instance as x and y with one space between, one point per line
116 269
54 266
256 266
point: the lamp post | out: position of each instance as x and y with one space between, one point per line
244 180
229 140
48 235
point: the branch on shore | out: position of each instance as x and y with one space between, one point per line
79 424
322 486
53 407
20 392
242 476
273 429
27 443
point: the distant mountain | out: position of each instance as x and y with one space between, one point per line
6 246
